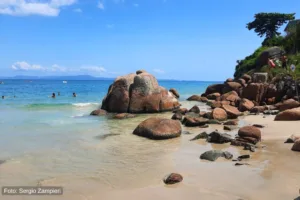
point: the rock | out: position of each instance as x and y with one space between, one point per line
296 146
202 135
231 86
214 88
173 178
193 121
289 115
251 140
98 112
203 99
140 71
231 111
258 109
255 92
245 105
243 157
202 113
242 82
194 98
272 52
195 109
177 116
182 111
192 114
214 121
213 96
174 92
186 132
213 155
250 131
229 80
246 77
239 164
258 125
218 104
229 127
292 139
219 114
249 147
260 78
103 137
218 138
288 104
232 123
204 126
124 116
158 128
207 115
138 94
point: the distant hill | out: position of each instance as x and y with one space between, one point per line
78 77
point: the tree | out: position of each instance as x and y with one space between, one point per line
267 24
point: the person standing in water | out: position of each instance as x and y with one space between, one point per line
53 95
58 94
3 97
74 94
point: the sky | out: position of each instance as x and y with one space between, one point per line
171 39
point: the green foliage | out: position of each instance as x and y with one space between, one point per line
267 24
274 41
248 63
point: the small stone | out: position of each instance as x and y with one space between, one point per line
229 128
239 164
173 178
204 126
243 157
258 125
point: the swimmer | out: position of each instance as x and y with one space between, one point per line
53 95
2 97
58 93
74 94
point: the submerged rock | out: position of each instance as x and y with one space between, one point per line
99 112
173 178
103 137
124 116
202 135
213 155
158 128
218 138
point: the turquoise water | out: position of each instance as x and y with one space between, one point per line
44 139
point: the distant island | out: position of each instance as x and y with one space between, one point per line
78 77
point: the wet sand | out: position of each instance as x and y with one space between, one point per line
136 167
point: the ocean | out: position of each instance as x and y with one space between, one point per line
46 141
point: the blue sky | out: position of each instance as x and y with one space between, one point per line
173 39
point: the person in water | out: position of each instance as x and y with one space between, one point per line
53 95
2 97
58 93
74 94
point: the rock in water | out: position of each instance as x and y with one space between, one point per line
250 131
158 128
289 115
124 116
173 178
296 146
98 112
213 155
138 94
219 138
202 135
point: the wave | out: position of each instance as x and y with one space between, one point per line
85 104
60 105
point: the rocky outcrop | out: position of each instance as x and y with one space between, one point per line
158 128
213 96
173 178
255 92
260 78
99 112
268 53
214 88
138 93
231 86
219 114
289 115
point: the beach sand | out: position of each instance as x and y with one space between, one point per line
273 172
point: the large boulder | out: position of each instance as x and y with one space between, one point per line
255 92
250 131
213 96
246 77
138 94
219 114
245 105
288 104
231 86
260 78
195 109
214 88
194 98
231 111
231 97
158 128
289 115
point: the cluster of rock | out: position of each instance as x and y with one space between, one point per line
233 97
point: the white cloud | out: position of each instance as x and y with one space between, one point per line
78 10
93 69
136 5
24 66
33 7
159 71
100 5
